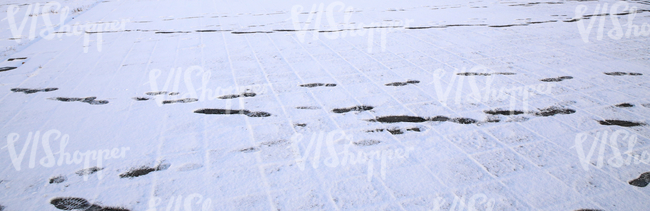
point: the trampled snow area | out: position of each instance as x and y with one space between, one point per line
324 105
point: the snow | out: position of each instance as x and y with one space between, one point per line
311 105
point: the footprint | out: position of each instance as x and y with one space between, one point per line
367 142
285 30
70 203
2 69
252 32
136 172
642 181
474 74
395 119
503 112
416 119
415 129
464 121
248 94
355 108
211 30
21 58
219 111
182 32
485 74
622 74
89 100
57 179
624 105
229 111
141 98
308 107
621 123
73 203
439 119
558 79
31 91
553 110
161 93
185 100
545 112
616 73
395 131
258 114
250 149
88 171
403 83
317 85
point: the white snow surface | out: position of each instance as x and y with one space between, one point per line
309 101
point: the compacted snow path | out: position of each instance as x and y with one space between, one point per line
334 105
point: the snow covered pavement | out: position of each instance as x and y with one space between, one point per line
324 105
